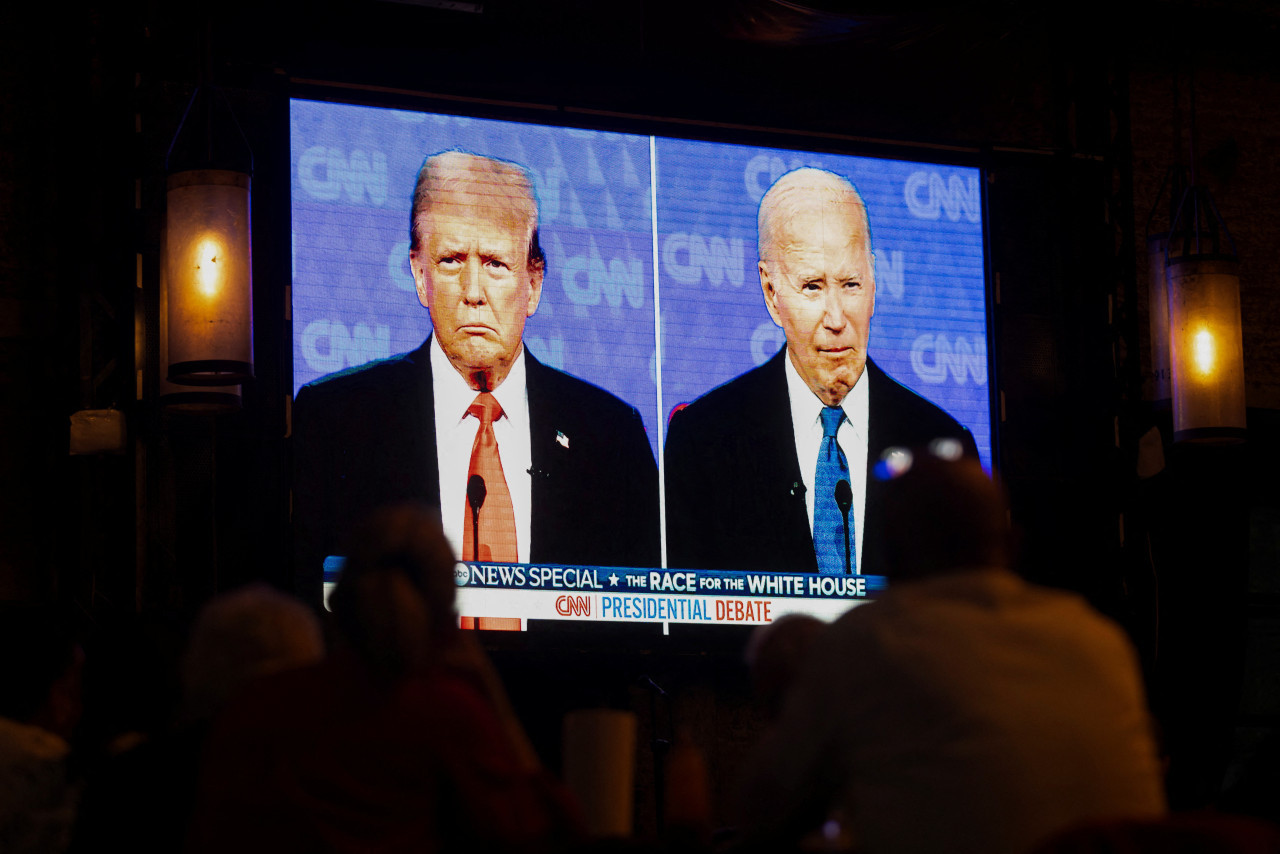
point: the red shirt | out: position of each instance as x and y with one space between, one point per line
329 758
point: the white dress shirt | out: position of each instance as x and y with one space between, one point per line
806 422
456 433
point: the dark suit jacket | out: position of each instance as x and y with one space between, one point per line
735 496
366 437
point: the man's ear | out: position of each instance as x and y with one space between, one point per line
419 279
536 272
873 285
770 294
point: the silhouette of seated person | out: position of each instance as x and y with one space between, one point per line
40 704
964 710
142 800
775 654
401 740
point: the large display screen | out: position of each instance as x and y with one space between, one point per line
651 291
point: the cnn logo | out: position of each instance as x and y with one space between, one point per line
573 606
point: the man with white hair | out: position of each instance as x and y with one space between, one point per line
526 463
769 472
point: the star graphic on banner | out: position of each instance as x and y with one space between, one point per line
613 579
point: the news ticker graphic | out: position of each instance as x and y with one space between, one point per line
626 594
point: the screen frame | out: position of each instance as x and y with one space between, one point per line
679 637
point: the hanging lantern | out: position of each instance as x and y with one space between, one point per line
204 400
209 278
209 258
1205 339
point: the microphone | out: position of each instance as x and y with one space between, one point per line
844 500
476 493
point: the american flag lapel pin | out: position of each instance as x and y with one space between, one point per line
562 440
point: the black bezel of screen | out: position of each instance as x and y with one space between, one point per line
682 638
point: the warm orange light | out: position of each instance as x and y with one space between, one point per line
1202 350
204 400
208 270
210 289
1206 350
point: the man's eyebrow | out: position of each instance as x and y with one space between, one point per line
445 246
489 250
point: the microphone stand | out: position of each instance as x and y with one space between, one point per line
476 493
844 500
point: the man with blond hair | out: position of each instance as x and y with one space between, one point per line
526 463
769 471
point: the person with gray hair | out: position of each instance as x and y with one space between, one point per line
770 471
142 800
241 635
526 463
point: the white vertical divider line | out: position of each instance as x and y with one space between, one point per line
657 343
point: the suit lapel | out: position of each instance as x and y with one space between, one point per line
549 444
542 424
880 427
423 456
774 450
777 454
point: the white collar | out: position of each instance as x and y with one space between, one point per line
806 407
453 395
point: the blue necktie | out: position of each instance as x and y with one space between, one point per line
828 522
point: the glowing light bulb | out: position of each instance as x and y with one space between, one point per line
209 266
1203 351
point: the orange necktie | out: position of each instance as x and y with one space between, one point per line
497 526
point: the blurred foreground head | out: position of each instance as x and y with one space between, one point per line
393 605
40 668
775 653
942 515
240 635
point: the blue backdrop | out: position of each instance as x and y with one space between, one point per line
612 205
